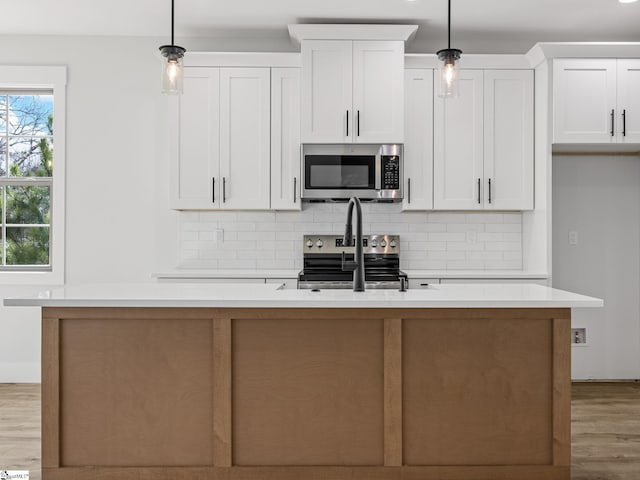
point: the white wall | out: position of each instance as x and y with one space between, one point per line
599 198
119 226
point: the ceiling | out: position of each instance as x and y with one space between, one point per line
478 26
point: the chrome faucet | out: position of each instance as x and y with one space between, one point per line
357 265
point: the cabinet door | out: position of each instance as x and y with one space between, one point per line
584 96
285 138
245 138
194 141
508 139
327 91
418 145
628 101
458 146
378 91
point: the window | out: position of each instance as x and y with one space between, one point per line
32 122
26 174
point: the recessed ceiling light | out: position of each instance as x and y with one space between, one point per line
627 1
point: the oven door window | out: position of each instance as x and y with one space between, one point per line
336 172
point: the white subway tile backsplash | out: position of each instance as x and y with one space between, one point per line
427 246
237 226
504 246
485 218
505 227
465 246
273 240
257 236
447 237
465 227
392 228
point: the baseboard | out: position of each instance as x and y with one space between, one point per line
608 380
25 372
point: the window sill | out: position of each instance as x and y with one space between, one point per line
54 278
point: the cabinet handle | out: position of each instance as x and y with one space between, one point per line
347 123
612 121
478 190
489 190
409 190
224 189
213 189
295 181
624 123
358 123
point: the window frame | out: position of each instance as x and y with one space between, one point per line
52 78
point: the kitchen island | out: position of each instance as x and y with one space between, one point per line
255 383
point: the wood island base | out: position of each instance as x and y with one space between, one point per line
306 393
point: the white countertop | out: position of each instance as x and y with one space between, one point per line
270 296
470 274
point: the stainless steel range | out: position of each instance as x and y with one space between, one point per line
322 262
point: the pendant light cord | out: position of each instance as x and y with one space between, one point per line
172 20
448 28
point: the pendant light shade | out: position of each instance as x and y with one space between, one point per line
449 66
172 71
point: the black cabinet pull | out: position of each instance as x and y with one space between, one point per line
358 123
347 123
478 190
224 189
489 190
409 190
213 189
295 181
624 123
612 124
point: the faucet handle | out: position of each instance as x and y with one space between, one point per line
348 265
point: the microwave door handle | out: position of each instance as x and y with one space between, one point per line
378 176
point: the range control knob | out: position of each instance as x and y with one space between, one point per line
319 243
383 243
309 243
392 244
374 244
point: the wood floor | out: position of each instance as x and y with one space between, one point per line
605 430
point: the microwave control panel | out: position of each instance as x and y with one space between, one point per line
390 172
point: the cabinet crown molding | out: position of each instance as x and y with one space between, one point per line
301 32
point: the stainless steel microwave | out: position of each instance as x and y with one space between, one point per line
339 172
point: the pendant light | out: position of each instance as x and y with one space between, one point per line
172 65
448 69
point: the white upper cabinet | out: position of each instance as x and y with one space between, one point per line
378 91
195 157
458 145
418 145
285 139
352 91
483 142
508 139
220 141
596 100
628 101
584 93
327 91
245 138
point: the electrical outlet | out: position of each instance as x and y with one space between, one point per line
573 237
219 235
578 336
472 236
